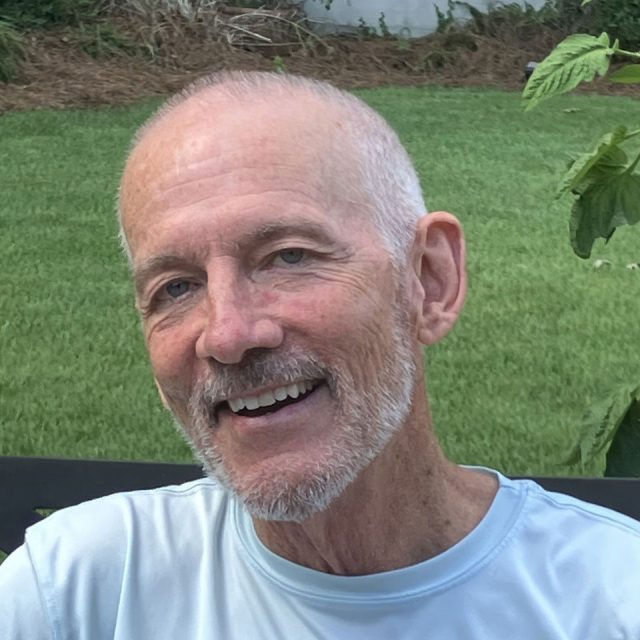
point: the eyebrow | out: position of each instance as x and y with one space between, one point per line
151 267
282 228
267 232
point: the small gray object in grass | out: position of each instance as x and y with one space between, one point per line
634 266
601 264
529 69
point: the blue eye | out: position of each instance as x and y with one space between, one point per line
291 256
177 288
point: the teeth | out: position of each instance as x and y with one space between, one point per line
236 405
252 402
266 399
269 398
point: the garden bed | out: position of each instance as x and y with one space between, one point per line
65 67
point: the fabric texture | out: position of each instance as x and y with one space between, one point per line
185 562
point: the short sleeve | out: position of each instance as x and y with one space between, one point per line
22 615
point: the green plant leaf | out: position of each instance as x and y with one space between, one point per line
623 456
629 74
606 158
584 2
576 59
603 207
12 51
602 422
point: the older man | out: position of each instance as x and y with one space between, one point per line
287 279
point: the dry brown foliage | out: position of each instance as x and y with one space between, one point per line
164 52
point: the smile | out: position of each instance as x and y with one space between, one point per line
272 400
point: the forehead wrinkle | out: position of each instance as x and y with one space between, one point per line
219 162
197 132
199 180
227 139
211 193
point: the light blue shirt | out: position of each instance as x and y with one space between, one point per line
185 563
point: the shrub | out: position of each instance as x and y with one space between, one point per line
506 20
11 51
27 14
102 40
620 17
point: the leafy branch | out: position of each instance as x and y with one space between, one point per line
612 428
576 59
607 195
607 190
604 181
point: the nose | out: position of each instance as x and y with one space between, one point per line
235 323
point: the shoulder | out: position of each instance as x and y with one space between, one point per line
592 547
550 533
136 545
123 513
543 508
560 545
76 538
189 495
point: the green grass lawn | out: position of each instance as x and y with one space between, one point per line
541 336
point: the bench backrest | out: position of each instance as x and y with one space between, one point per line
31 484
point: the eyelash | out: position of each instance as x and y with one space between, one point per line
278 254
161 297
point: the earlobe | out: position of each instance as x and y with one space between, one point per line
440 271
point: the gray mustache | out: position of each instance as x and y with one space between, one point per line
255 371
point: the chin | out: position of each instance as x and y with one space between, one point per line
285 490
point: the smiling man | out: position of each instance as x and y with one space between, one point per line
287 278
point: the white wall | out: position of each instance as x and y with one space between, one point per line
411 18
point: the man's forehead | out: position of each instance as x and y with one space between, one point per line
194 154
205 121
217 130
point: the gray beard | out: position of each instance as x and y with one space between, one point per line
369 418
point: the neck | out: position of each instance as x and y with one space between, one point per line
410 504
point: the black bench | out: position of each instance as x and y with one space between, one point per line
28 485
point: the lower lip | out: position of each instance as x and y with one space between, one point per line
294 415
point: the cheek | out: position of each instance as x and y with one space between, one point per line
321 317
353 328
172 355
354 312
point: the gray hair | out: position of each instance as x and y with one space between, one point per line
384 171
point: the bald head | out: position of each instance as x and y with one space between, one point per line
352 154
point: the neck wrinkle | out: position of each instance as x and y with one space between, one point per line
410 504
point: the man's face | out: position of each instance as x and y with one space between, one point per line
271 311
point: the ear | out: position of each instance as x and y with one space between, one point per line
439 274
